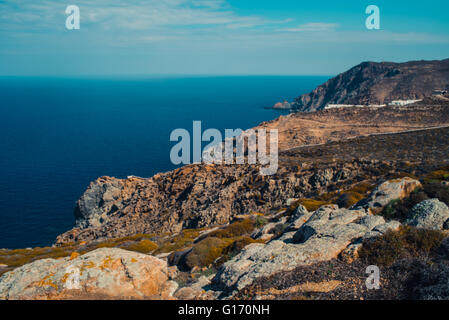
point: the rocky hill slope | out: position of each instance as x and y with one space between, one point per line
307 232
371 83
199 196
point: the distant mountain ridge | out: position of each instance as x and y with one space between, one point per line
378 83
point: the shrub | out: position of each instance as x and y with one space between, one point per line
184 239
260 222
362 188
205 252
144 246
311 204
407 242
399 209
235 229
348 199
437 190
437 176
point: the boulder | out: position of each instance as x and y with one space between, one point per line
372 221
197 291
328 231
107 273
429 214
388 191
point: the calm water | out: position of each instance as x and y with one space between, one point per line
57 135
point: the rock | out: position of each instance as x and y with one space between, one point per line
372 221
390 226
299 217
388 191
300 212
106 273
196 291
371 235
429 214
351 253
328 231
257 234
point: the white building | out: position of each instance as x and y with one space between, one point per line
402 102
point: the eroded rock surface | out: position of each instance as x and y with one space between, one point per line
429 214
107 273
388 191
323 237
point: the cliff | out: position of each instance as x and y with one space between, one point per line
371 83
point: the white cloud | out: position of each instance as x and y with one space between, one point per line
312 27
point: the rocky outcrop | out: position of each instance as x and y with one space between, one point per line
371 83
107 273
194 196
430 214
327 232
387 192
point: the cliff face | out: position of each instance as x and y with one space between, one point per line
378 83
198 196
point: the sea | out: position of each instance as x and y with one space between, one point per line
59 134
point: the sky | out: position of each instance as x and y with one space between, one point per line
215 37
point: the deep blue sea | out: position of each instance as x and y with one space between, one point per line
58 134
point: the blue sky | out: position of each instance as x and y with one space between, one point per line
215 37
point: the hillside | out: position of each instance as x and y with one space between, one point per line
371 83
357 187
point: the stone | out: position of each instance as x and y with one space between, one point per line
372 221
388 191
429 214
328 231
106 273
351 253
390 226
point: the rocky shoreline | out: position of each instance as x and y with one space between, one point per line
363 195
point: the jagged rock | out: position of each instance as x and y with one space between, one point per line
388 191
328 231
196 291
103 274
372 221
390 226
429 214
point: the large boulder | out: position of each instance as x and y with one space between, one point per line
386 192
326 233
107 273
429 214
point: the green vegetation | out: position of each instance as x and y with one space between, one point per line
407 242
184 239
311 204
205 252
399 209
437 176
213 251
235 229
144 246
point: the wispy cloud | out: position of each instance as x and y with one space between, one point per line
312 27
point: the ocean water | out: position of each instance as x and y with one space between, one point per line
58 134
